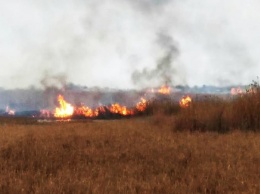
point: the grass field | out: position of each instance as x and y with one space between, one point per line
139 155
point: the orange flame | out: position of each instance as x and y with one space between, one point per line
142 105
65 109
86 111
164 90
118 109
185 102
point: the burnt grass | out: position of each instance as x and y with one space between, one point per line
138 155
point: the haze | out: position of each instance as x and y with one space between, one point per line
105 43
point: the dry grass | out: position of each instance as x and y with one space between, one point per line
204 115
210 112
216 114
125 156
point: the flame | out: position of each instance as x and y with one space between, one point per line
45 113
101 109
150 90
251 90
142 105
9 111
65 109
122 110
86 111
239 91
164 90
185 102
236 91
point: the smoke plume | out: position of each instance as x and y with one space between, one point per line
166 69
128 43
57 81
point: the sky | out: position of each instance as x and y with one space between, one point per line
128 43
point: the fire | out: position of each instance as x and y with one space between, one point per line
122 110
239 91
185 102
251 90
9 111
86 111
100 109
164 90
142 105
45 113
65 109
236 91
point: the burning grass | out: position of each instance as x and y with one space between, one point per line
161 152
210 112
216 114
125 156
66 110
182 112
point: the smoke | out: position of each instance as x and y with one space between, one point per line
128 43
165 71
56 81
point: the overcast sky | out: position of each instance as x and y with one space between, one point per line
102 43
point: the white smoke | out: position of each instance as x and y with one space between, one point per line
97 43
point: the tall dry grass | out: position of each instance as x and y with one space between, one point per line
125 156
213 113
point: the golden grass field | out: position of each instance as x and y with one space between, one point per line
138 155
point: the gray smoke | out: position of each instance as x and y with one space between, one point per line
166 70
58 81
